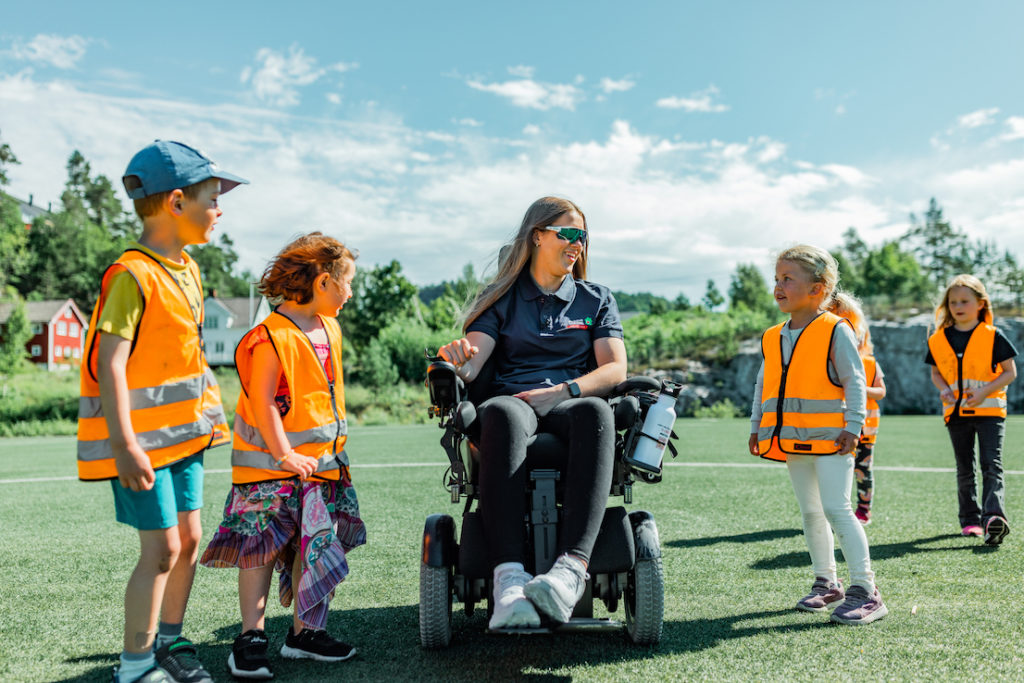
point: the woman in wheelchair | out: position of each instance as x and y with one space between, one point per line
555 343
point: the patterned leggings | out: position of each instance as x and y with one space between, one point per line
863 475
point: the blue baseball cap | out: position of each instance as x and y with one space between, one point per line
166 165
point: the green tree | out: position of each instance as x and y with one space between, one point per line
217 261
13 243
15 334
6 158
681 303
893 273
380 296
748 288
712 297
941 249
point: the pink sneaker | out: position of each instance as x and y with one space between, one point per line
859 607
972 530
863 515
823 594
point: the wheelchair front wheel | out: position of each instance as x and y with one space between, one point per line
645 601
435 606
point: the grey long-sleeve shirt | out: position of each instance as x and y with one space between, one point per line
844 367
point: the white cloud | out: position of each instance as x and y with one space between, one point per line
1015 126
468 122
700 101
609 85
277 76
333 98
981 117
529 93
667 213
63 52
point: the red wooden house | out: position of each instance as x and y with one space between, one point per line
58 332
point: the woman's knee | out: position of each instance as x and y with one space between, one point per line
592 411
502 412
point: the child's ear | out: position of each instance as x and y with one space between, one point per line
176 202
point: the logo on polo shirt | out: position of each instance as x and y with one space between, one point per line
579 324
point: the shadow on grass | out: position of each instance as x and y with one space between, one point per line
884 551
750 537
388 642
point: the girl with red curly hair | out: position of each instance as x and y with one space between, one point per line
291 505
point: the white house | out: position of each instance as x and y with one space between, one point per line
227 321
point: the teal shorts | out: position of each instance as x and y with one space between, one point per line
177 488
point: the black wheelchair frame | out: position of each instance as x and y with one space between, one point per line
625 564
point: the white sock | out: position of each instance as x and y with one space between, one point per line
133 665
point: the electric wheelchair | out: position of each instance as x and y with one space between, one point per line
625 565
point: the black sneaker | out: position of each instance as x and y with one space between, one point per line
181 662
996 529
314 643
248 658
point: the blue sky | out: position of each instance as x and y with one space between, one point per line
694 135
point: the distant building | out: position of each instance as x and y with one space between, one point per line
227 321
29 211
58 332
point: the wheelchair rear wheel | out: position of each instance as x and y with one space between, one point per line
435 606
645 602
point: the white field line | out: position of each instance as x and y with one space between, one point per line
881 468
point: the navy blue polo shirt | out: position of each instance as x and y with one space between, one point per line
546 339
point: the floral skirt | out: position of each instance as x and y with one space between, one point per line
271 521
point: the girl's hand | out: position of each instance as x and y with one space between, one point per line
458 352
302 465
753 446
846 442
972 398
948 396
543 400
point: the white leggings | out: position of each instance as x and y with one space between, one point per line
822 486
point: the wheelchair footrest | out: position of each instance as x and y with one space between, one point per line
574 625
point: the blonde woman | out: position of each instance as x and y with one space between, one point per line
555 342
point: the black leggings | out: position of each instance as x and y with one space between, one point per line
506 424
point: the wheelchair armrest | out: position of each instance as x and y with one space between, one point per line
637 383
447 389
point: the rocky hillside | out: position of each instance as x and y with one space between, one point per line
899 347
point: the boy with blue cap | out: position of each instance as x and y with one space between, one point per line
150 405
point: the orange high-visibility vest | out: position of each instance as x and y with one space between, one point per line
802 410
870 431
975 369
175 401
314 424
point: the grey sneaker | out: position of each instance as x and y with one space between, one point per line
154 675
824 594
511 608
181 662
996 529
557 592
859 607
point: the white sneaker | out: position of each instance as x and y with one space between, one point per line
511 608
557 592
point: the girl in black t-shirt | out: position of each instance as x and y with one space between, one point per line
972 364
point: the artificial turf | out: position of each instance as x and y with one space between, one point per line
734 558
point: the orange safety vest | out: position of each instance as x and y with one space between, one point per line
802 410
975 369
315 424
870 431
175 401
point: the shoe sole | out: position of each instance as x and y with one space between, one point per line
997 531
294 653
519 617
543 598
260 674
874 616
817 610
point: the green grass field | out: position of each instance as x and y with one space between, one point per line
734 557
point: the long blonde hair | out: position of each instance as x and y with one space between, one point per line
515 256
943 318
847 306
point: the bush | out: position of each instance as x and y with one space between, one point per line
723 409
659 340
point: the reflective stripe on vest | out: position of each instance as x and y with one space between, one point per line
802 410
869 432
174 399
314 425
972 371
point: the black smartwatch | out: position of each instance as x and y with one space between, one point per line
574 389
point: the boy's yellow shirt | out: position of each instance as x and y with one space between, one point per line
122 309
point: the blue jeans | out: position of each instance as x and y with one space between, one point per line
989 432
